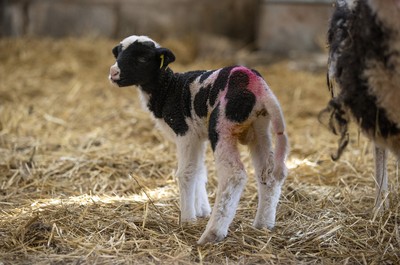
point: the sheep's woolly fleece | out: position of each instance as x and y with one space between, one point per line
85 178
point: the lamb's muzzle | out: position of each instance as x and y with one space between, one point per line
114 73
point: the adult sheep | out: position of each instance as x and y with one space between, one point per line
364 62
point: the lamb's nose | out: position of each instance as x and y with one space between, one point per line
114 72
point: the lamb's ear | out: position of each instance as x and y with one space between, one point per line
115 51
166 57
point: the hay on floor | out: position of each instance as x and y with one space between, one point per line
86 179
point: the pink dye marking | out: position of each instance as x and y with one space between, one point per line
256 84
222 97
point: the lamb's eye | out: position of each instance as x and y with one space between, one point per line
142 59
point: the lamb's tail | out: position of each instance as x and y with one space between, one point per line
278 129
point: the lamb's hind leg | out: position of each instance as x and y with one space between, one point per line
269 185
192 178
381 181
231 180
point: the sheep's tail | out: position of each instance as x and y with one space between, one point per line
278 127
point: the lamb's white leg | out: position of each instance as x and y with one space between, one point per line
269 186
269 191
381 181
190 177
202 205
231 180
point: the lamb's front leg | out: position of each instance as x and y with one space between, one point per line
381 181
192 178
231 180
202 205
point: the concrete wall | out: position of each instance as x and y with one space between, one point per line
275 26
287 25
119 18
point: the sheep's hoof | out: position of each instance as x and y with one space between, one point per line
381 206
211 237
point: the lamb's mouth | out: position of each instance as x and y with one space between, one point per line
118 82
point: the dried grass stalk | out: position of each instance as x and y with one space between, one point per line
86 179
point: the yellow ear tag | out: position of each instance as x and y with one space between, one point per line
162 60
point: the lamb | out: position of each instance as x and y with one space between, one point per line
364 62
228 106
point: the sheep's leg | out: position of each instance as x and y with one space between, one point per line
381 181
191 179
269 185
202 205
231 180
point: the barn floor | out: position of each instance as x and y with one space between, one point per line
86 179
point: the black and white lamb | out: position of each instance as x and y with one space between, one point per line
228 106
364 62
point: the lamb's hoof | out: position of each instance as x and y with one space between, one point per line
188 219
211 237
265 220
261 225
204 211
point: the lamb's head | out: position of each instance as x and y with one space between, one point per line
139 60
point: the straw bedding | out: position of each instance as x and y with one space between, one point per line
86 179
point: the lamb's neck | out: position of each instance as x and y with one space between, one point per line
159 90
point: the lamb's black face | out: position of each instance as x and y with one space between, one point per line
138 61
134 64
